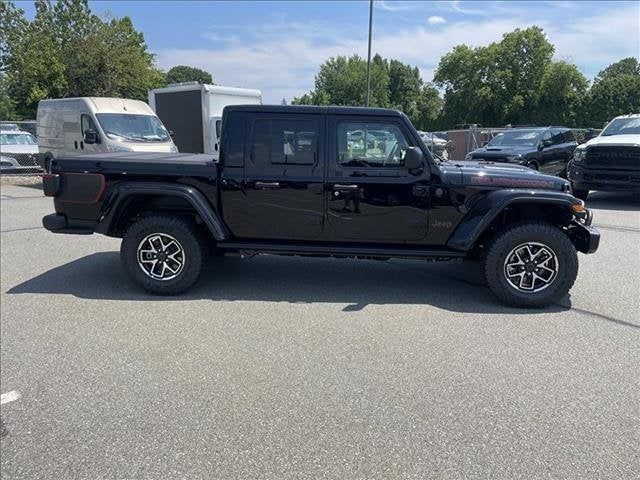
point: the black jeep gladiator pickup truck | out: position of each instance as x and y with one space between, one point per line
324 181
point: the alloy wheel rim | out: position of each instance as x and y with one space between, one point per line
531 267
161 256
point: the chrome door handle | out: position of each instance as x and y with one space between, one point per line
338 186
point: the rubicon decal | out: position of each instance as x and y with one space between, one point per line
511 182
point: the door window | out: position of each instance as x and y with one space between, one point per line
87 124
558 137
370 145
284 142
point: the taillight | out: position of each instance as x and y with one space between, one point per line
51 184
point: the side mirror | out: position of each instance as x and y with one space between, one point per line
545 144
172 134
91 137
413 158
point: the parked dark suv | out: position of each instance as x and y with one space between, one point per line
547 149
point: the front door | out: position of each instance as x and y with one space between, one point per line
283 177
371 196
87 123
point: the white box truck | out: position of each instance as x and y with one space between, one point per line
193 112
73 126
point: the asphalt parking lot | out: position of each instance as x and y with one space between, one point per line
313 368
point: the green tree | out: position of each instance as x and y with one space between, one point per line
615 91
184 73
496 84
342 81
428 109
68 51
562 91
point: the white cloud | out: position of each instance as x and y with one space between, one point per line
436 20
282 58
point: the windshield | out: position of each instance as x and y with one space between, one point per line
622 126
136 128
17 139
527 138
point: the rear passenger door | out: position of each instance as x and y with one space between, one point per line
283 177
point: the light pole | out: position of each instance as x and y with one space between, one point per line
369 54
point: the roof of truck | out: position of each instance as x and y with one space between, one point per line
337 110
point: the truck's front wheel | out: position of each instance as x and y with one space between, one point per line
530 264
163 254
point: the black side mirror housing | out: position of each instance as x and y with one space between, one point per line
91 137
544 144
413 158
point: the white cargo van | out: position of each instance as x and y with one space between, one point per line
72 126
193 112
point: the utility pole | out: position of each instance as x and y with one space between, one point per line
369 54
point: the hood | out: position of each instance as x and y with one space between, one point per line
632 140
510 149
160 147
502 175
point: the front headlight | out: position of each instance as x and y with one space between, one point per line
514 158
467 156
579 155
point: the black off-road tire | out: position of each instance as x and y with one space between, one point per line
581 194
520 233
188 235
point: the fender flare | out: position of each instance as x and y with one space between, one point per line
125 190
485 210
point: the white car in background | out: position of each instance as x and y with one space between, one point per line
19 146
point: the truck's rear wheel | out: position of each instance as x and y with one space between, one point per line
530 264
163 254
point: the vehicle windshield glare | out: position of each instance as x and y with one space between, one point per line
525 138
132 127
622 126
17 139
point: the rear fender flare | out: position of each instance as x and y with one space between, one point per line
116 200
485 210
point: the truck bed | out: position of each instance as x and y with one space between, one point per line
139 163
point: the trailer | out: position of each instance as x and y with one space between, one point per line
193 112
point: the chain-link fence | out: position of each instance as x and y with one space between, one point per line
19 155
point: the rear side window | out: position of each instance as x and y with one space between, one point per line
284 142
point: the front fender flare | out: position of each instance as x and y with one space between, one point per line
125 190
485 210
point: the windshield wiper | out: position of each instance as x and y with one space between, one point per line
108 132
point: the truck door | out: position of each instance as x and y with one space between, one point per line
283 178
87 123
370 194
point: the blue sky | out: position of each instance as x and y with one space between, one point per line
278 46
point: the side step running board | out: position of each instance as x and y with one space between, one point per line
253 248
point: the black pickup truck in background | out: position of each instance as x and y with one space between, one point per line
324 181
547 149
